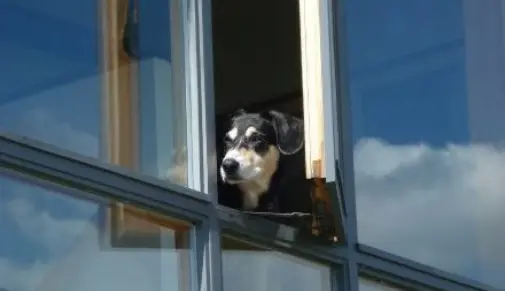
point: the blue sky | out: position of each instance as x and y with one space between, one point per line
402 37
426 90
426 84
51 91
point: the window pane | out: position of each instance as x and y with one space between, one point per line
368 285
104 79
246 267
53 241
427 96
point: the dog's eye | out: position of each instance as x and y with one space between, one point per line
227 140
255 138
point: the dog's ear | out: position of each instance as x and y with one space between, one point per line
289 131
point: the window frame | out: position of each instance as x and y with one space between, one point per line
327 181
185 236
38 161
120 134
318 59
284 238
120 83
367 261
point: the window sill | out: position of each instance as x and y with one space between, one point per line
282 227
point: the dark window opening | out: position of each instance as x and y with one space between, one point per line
258 67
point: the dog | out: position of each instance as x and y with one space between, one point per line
262 164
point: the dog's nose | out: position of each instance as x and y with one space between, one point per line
230 166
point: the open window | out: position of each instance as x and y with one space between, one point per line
277 55
145 113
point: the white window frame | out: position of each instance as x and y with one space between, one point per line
319 88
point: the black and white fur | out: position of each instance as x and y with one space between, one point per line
262 164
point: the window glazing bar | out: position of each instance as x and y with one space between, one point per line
88 174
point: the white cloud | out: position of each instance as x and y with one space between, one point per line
54 235
442 207
79 260
38 123
269 270
16 278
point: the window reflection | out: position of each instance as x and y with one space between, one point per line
104 79
427 97
53 241
368 285
246 267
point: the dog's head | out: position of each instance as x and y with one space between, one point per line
254 143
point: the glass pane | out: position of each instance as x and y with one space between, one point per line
428 101
104 79
53 241
368 285
269 270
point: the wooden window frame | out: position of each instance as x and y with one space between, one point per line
121 121
120 135
129 226
318 79
317 91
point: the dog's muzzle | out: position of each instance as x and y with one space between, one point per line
230 168
239 166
